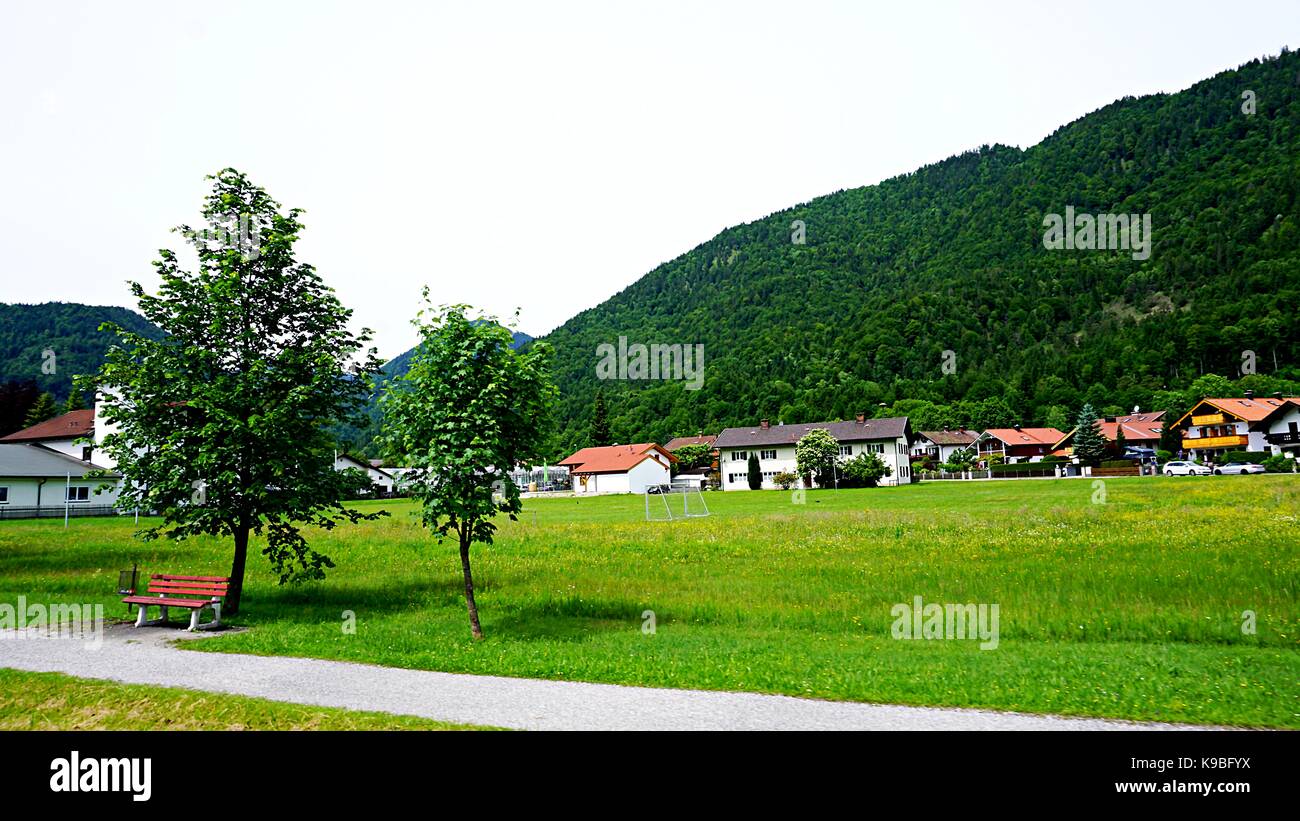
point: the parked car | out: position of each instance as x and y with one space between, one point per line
1234 468
1186 469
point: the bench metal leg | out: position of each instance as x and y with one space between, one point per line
212 625
140 619
194 619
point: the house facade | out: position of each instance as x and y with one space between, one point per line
35 476
940 445
381 480
1017 444
1141 430
68 434
619 468
1216 426
890 439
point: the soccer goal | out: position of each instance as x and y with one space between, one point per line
664 503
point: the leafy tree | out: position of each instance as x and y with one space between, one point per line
76 401
690 457
599 422
1058 416
815 454
866 470
755 472
40 411
16 399
223 423
469 410
1121 441
1089 445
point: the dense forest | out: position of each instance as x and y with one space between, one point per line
952 258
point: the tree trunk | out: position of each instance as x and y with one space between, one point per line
469 588
230 606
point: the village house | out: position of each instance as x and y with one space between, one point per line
1215 426
66 434
35 478
1141 430
381 481
940 445
774 445
620 468
1017 444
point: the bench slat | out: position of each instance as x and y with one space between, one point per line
196 585
220 594
167 578
165 602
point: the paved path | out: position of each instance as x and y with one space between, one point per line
145 656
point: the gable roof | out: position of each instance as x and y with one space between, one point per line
362 463
950 437
683 441
1252 409
1138 427
614 458
853 431
1025 436
71 425
32 461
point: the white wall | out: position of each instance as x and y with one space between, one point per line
648 472
23 492
735 472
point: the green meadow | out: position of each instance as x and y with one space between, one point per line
1171 599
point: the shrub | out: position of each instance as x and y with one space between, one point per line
1118 463
1279 464
785 480
1254 457
1163 456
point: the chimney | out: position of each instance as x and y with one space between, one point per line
862 417
1136 410
1016 426
1250 394
1277 394
945 428
765 424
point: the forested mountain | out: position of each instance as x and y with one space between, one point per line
952 258
52 342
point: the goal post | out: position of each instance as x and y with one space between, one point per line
676 501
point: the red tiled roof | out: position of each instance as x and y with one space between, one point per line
614 458
1026 436
70 425
1251 410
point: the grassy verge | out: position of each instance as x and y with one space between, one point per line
50 701
1132 608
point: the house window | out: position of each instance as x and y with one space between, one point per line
85 453
846 450
739 456
77 494
4 495
767 454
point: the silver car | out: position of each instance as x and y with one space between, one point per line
1234 468
1181 468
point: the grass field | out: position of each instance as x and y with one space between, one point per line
49 701
1131 609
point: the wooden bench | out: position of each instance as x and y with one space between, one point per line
190 592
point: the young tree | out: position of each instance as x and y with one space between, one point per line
222 425
75 402
816 453
467 412
785 480
599 421
1121 441
755 472
1089 446
41 410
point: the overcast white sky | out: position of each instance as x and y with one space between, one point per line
542 155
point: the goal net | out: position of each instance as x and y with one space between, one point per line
664 503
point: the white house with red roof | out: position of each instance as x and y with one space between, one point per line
1142 429
1017 444
1218 425
619 468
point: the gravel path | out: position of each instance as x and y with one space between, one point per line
146 656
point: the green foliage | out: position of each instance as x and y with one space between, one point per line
41 410
755 473
467 412
1089 444
815 455
864 470
690 457
600 422
223 422
785 479
1279 464
1254 457
16 399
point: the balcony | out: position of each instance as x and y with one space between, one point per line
1210 419
1283 438
1206 442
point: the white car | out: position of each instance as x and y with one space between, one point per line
1186 469
1234 468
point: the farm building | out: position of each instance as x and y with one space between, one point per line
619 468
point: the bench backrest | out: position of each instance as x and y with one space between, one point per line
206 586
